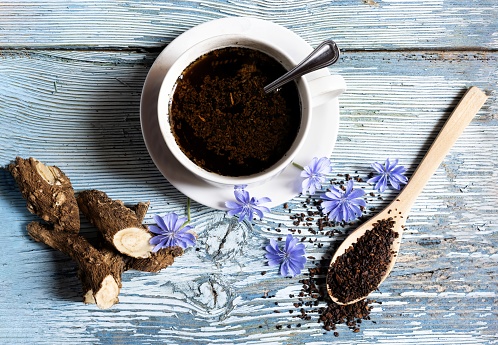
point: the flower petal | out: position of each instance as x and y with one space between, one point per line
389 166
262 200
335 214
349 187
156 240
323 165
155 229
375 179
232 204
284 269
234 211
273 249
290 242
249 213
186 228
307 185
273 260
242 196
305 172
395 184
294 268
327 206
356 193
179 223
334 193
399 170
156 248
258 212
378 167
381 185
299 260
186 240
274 244
160 222
170 221
358 202
297 250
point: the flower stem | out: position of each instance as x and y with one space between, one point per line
188 210
297 165
188 214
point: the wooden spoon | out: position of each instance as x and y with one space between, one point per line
398 210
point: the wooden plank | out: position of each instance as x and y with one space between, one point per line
79 110
355 25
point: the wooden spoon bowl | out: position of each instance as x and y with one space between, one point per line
398 210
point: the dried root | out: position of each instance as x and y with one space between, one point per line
100 274
126 241
119 225
48 192
140 210
123 243
157 261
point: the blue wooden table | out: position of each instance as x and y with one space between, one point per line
71 77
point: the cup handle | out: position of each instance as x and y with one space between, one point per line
324 89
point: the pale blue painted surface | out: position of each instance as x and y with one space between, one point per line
71 77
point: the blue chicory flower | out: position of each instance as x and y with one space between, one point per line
291 259
391 173
343 205
170 231
245 206
314 174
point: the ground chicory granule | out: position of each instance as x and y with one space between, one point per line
359 271
313 302
331 314
224 121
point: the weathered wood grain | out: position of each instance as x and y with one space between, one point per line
79 110
76 104
358 24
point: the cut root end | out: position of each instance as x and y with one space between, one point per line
133 242
107 296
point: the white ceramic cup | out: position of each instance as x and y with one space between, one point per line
312 93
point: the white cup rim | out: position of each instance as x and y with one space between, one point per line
167 90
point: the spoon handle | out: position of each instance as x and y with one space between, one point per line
324 55
459 119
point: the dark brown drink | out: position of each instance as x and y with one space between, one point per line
222 119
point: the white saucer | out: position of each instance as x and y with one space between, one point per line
321 138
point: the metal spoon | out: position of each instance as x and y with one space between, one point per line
324 55
398 210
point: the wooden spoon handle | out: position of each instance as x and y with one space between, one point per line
459 119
